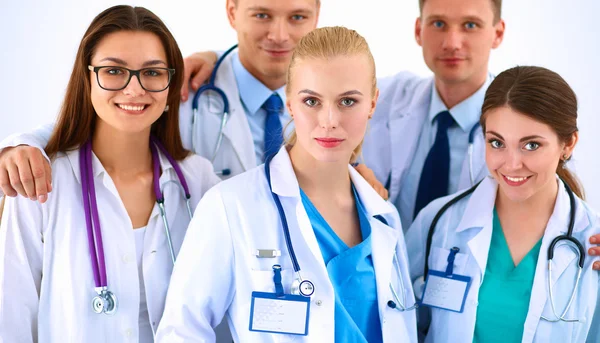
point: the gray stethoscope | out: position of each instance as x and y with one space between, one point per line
576 246
106 301
210 86
306 287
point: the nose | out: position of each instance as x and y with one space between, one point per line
514 160
329 117
452 40
134 88
279 31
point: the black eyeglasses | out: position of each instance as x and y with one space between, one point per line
113 78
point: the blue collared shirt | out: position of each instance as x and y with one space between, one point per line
466 114
253 94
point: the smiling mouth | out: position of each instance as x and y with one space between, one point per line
515 181
139 108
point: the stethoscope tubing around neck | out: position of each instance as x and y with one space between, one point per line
211 84
282 217
92 217
556 240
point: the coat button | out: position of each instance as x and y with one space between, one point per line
125 258
319 302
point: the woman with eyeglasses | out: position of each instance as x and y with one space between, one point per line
93 263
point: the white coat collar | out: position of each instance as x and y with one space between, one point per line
284 183
479 215
483 200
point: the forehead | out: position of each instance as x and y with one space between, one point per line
512 124
279 5
331 75
457 9
131 46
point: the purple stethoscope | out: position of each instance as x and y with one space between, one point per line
106 301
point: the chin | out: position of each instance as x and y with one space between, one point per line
330 156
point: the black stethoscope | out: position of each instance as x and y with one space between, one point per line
580 251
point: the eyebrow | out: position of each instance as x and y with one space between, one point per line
352 92
122 62
523 139
302 10
434 17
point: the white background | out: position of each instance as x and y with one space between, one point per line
39 39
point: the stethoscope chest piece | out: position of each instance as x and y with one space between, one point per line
306 288
105 302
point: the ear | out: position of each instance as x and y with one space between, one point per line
317 13
374 103
231 9
418 23
498 33
570 146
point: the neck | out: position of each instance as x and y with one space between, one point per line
273 82
122 152
455 93
540 205
317 177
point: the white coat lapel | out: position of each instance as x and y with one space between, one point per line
405 129
285 185
478 215
384 239
237 129
563 259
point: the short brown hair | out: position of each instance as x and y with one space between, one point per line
496 7
543 96
77 118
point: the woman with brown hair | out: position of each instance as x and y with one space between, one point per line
93 263
505 260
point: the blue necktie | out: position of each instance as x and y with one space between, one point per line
273 129
436 170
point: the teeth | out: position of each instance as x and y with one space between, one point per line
516 179
131 108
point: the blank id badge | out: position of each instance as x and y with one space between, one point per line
446 291
285 314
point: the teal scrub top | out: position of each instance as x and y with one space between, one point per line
352 276
505 292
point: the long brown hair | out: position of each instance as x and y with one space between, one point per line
77 118
543 96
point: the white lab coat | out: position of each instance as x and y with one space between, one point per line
392 138
468 226
46 278
217 269
200 132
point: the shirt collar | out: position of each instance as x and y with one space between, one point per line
253 93
466 113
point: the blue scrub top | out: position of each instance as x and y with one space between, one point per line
352 275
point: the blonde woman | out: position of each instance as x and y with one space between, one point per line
302 248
